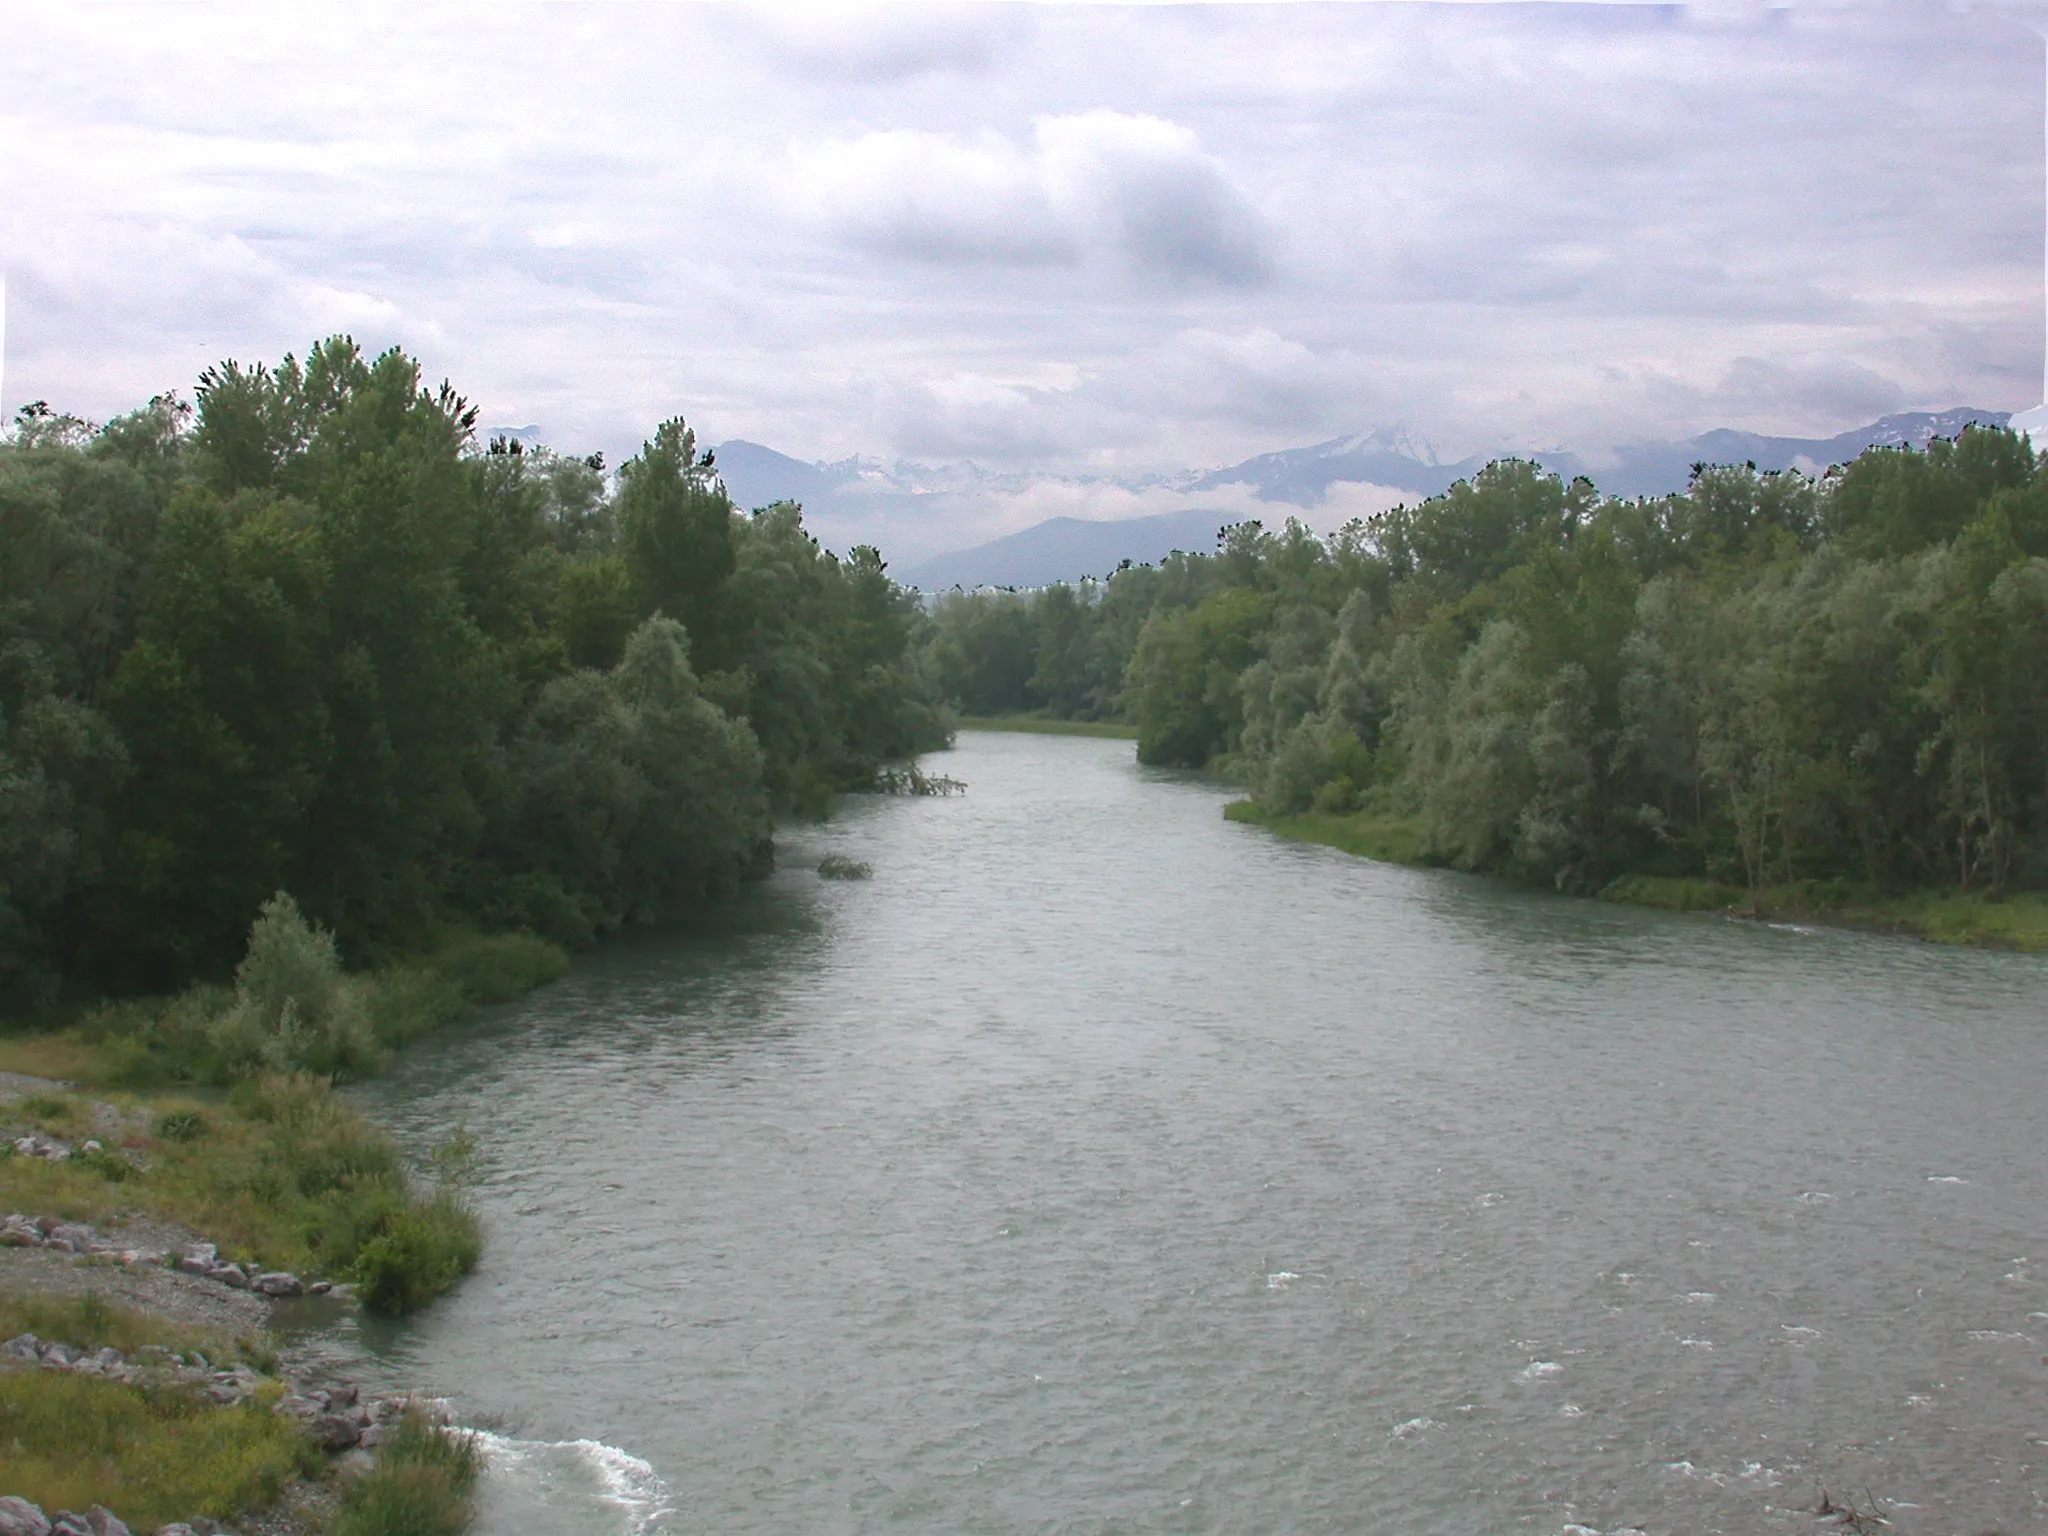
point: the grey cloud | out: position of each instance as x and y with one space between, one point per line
1110 237
1134 190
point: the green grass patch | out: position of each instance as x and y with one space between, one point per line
420 1486
497 967
1046 725
1390 838
152 1454
1670 894
288 1175
92 1322
2015 922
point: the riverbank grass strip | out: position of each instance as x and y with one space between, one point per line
1390 839
287 1174
1045 725
2018 921
154 1454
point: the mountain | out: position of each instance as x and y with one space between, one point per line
922 514
1303 476
1067 549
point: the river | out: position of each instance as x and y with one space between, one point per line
1103 1166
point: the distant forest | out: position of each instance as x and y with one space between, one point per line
1766 680
311 636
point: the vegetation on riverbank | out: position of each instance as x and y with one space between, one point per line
1392 839
284 1173
1047 725
311 636
2015 921
420 1486
152 1453
1769 682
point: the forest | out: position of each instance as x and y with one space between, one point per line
1768 680
308 635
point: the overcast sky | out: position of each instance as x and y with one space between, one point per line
1062 238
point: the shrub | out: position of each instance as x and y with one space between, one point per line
294 1010
180 1125
53 1112
420 1252
494 968
420 1485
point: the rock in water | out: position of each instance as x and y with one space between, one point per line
18 1517
278 1283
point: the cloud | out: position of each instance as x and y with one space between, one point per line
1135 190
1062 241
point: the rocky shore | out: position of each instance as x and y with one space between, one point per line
172 1276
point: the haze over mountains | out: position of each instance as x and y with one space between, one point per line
913 510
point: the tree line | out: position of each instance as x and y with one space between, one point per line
1766 680
309 635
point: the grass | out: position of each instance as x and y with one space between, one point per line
1392 839
1046 725
154 1454
2018 921
91 1322
419 1487
286 1173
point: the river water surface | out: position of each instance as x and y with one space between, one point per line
1103 1166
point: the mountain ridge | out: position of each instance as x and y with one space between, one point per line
858 500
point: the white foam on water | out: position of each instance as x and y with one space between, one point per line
1945 1178
1815 1197
1536 1370
565 1478
1277 1281
1705 1346
1699 1298
1413 1427
1571 1411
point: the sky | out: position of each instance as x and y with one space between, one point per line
1062 242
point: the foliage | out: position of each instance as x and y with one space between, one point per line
837 866
1815 692
153 1454
288 1174
312 637
420 1485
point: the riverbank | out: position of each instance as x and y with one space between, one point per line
2018 922
176 1169
141 1385
1046 725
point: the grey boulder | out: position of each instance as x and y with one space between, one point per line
277 1283
334 1432
105 1522
18 1517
